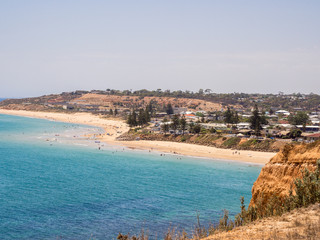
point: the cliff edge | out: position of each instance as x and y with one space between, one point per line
278 175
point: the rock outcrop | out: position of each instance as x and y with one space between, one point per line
277 177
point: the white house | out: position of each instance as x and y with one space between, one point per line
284 112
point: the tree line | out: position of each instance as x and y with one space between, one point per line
140 119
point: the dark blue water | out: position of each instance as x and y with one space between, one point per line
55 184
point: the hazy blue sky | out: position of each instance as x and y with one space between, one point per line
227 46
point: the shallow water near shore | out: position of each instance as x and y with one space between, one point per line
57 184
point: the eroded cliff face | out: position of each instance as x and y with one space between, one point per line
277 176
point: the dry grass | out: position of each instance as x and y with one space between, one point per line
303 223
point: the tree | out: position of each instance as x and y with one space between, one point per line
141 117
271 111
165 125
197 128
256 121
169 109
235 118
147 115
175 122
228 116
295 133
212 130
132 119
116 112
208 91
111 111
129 120
183 124
301 118
150 107
199 114
231 117
194 128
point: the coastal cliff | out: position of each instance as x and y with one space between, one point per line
277 177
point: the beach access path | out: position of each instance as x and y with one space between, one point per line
114 128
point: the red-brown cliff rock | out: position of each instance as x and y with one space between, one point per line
277 176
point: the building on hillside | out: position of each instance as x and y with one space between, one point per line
243 125
314 119
285 126
246 115
161 114
309 128
210 118
191 117
217 126
313 137
180 110
67 107
284 112
273 132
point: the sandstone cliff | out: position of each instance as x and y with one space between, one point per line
277 176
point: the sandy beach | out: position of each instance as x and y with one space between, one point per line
201 151
114 128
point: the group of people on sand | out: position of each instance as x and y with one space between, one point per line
236 152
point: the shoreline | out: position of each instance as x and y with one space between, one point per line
114 128
193 150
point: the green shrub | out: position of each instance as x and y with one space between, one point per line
231 142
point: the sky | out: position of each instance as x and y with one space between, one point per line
226 46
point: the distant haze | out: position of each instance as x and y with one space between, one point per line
226 46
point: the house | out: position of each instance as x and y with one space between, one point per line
285 126
272 131
210 118
180 110
67 107
243 125
217 126
283 112
309 128
161 114
191 117
314 119
313 137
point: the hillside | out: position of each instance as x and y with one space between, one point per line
80 100
131 101
277 176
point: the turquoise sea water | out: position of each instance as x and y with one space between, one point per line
55 184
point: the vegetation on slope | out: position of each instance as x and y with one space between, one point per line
213 140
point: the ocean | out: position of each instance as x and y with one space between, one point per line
56 184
